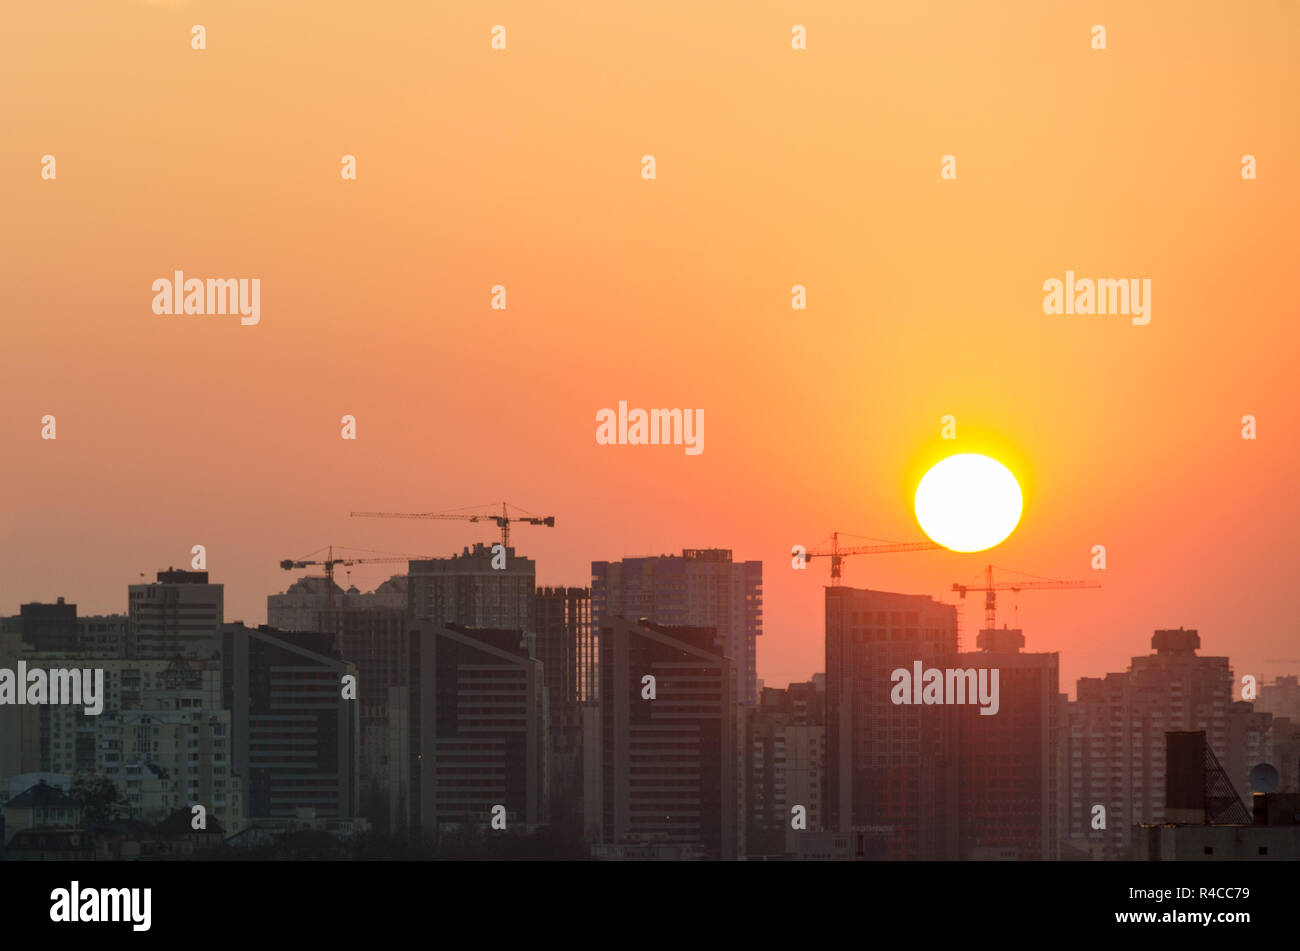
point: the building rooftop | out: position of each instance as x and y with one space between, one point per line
42 796
1176 642
181 576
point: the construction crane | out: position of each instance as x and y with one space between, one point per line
503 520
991 589
331 619
837 553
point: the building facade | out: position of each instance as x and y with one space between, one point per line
566 646
1008 763
179 614
477 729
785 769
49 627
702 587
372 634
890 768
467 589
295 737
1113 739
668 760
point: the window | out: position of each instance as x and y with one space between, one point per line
1209 850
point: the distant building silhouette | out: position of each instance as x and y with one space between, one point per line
1113 738
179 614
1286 753
1008 763
93 635
702 587
668 770
295 738
465 589
1280 698
890 769
786 767
477 729
304 605
21 732
103 635
566 646
373 632
49 627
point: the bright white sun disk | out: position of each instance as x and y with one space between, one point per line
968 502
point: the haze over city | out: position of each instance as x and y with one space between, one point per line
924 298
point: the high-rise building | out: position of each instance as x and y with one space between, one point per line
162 735
477 588
180 614
666 760
890 768
304 606
372 630
477 728
103 635
49 627
1249 743
1113 740
1281 698
566 647
786 768
21 733
375 639
72 742
295 740
1008 762
56 628
701 588
164 760
1286 753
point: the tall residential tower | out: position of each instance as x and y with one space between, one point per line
701 588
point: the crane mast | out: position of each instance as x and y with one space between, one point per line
991 589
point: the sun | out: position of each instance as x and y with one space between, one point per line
968 502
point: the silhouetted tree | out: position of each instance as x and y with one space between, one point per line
99 797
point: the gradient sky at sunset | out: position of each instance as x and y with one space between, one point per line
775 168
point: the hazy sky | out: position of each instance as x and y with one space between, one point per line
775 167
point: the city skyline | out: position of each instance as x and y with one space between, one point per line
522 168
665 760
970 611
553 438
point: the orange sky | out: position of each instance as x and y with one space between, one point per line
775 167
